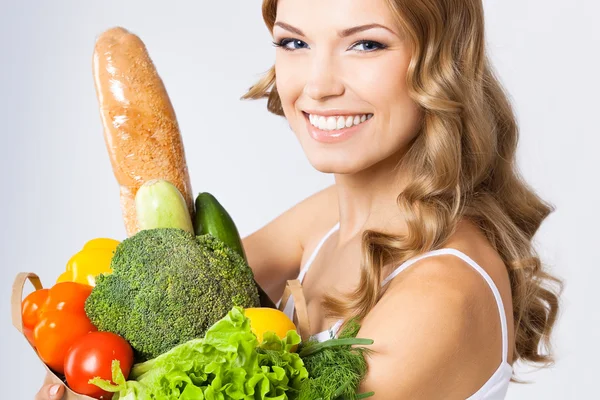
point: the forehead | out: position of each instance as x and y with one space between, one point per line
334 14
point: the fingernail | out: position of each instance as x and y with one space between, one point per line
54 390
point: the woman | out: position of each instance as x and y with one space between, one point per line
426 234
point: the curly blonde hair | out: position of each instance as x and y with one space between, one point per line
461 165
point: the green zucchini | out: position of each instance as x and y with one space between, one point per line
211 217
159 204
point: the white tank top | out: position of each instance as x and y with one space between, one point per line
496 386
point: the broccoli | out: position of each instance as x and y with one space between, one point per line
168 286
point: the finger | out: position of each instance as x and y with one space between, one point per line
56 392
50 392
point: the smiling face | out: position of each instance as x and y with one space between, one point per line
341 76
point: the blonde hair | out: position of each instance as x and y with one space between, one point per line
461 165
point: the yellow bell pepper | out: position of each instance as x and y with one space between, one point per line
94 259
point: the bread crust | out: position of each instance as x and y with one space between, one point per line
140 126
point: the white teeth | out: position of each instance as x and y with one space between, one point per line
322 123
337 122
331 123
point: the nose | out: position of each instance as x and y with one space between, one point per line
323 80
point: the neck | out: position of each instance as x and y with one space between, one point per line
367 200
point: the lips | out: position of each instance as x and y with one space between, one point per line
331 133
336 122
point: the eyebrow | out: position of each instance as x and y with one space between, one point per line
343 33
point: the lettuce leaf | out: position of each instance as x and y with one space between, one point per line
227 363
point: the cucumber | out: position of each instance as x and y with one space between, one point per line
159 204
211 217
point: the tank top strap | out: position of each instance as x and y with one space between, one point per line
477 268
316 251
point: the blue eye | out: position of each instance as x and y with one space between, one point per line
296 44
291 44
369 45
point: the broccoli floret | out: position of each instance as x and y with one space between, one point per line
168 286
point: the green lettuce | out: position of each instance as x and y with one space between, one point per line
227 363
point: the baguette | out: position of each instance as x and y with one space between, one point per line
140 127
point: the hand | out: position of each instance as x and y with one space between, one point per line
50 391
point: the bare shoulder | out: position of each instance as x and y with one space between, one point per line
275 251
442 332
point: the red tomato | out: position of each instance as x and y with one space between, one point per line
68 296
56 332
91 356
30 310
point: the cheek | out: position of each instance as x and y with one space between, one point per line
385 84
289 81
399 114
380 82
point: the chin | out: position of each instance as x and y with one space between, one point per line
332 161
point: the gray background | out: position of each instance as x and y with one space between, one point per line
58 190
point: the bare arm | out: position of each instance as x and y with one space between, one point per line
275 251
436 334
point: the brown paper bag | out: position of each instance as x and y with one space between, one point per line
17 320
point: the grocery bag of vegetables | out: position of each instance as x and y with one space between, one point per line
181 303
253 353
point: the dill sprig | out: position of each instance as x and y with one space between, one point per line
335 367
